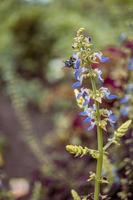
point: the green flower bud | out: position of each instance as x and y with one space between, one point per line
121 131
75 195
81 151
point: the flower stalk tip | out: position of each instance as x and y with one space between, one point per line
121 131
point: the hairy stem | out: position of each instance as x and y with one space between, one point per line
100 147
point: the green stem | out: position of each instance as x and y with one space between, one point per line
99 163
100 147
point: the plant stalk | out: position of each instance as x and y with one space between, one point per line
100 147
99 160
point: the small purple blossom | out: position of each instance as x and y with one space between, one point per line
99 74
129 88
88 120
78 72
92 125
124 111
77 84
130 64
108 94
77 64
102 58
88 113
112 118
84 93
125 99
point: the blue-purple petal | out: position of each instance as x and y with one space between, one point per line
91 127
130 65
87 120
111 96
100 78
77 73
79 95
104 59
112 118
85 103
76 85
124 100
83 113
77 64
124 111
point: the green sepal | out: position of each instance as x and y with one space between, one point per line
92 176
97 96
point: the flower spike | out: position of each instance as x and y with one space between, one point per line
90 100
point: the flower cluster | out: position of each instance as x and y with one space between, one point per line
82 61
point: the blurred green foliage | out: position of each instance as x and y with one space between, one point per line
37 29
32 33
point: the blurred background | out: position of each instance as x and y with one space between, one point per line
38 112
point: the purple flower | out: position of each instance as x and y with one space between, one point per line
125 99
88 120
99 74
111 117
111 97
130 64
91 126
87 112
102 58
130 87
108 94
77 84
124 111
78 77
78 73
85 95
77 64
89 117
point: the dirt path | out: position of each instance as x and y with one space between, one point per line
19 160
